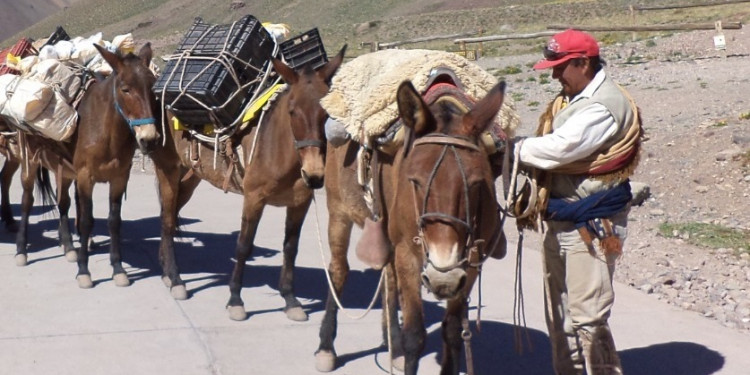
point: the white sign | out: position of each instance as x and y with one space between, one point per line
719 42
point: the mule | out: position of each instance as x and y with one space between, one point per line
115 115
439 214
282 170
9 149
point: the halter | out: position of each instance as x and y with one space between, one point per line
449 143
132 123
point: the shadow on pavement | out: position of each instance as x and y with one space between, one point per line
672 358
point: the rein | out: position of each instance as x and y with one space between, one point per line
132 123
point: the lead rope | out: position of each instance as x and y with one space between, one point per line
519 312
466 335
328 276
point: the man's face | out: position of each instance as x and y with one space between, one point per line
572 76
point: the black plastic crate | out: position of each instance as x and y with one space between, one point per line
213 87
247 40
304 49
56 36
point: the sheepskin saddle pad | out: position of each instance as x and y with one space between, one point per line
363 92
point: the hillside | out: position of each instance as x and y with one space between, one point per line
163 22
19 15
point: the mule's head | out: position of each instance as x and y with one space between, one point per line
451 191
306 116
132 93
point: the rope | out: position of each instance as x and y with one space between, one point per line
328 275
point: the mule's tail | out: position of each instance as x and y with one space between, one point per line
44 187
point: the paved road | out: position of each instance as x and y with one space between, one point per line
50 326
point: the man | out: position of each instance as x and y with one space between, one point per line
586 148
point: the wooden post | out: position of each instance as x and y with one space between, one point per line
632 21
480 51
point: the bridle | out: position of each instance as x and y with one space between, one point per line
452 144
132 123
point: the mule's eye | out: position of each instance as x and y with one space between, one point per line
125 89
415 182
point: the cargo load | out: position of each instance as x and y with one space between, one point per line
36 107
216 70
304 49
10 57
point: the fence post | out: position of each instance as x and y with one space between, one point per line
632 21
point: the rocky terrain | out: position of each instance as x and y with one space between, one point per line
695 105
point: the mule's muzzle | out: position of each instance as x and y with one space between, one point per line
147 138
313 181
444 285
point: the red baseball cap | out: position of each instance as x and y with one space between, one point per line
567 45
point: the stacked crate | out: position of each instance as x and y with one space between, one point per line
304 49
196 78
21 49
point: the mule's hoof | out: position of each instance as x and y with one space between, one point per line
398 363
167 282
22 260
179 292
71 256
84 281
296 313
325 361
237 313
121 279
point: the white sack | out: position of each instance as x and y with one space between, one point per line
58 121
57 75
23 99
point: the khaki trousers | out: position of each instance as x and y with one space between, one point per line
578 300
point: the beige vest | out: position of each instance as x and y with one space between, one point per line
610 96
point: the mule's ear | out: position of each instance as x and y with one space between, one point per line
286 72
330 68
483 113
413 110
146 54
114 60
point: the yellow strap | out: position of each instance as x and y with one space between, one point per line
260 102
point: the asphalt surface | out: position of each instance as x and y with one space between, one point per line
50 326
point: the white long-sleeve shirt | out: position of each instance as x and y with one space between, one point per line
580 136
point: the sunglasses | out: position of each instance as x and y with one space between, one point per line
554 56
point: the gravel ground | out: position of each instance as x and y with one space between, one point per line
693 100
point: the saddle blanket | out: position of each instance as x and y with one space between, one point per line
363 92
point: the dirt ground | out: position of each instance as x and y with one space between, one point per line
694 102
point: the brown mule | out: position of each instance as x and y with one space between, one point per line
115 116
282 170
440 212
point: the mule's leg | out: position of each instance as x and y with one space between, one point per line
6 178
173 194
85 213
452 327
114 223
295 216
451 332
339 232
252 209
413 333
63 206
28 178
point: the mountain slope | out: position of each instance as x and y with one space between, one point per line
18 15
